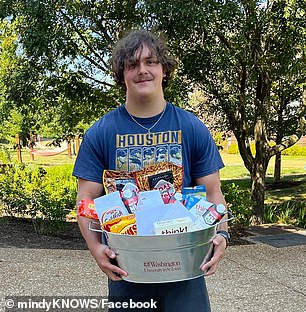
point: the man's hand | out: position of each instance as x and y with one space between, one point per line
101 253
103 256
210 267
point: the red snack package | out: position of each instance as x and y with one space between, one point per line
86 208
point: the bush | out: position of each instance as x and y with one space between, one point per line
34 193
290 212
233 149
5 156
239 204
295 150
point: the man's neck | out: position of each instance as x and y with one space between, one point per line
145 107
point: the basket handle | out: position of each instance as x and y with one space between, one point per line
94 229
231 217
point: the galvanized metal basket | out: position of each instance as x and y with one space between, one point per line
161 258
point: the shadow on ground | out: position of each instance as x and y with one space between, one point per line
20 233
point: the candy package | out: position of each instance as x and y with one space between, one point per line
130 197
198 191
174 226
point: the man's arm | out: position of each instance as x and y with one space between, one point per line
101 253
214 195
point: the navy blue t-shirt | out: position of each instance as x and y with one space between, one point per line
116 142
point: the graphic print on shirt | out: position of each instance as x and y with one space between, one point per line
136 151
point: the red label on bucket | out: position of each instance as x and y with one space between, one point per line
161 266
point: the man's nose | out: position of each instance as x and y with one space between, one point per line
142 67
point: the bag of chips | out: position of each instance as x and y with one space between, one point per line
86 208
116 180
122 225
165 177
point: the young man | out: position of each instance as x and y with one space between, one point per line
143 130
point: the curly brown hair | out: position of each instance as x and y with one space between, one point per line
135 40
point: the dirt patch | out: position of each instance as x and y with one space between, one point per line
20 233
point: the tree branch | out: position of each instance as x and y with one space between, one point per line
83 38
96 80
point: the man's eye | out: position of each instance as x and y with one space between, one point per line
152 62
132 65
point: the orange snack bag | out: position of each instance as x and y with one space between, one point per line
122 225
86 208
130 229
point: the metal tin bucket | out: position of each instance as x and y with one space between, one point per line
162 258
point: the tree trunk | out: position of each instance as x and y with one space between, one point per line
277 167
259 169
258 175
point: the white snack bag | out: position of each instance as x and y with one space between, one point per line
110 206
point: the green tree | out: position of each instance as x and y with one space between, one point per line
63 49
241 54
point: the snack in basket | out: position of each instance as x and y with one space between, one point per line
165 177
122 225
86 208
211 216
130 197
110 206
112 213
197 206
198 191
116 180
174 226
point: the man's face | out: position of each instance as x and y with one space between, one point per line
143 74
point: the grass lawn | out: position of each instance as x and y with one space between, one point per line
59 159
293 173
234 167
293 179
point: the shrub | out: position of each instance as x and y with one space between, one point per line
233 149
5 156
290 212
239 204
295 150
44 197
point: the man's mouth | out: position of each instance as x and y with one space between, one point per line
143 80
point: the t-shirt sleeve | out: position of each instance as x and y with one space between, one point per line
206 158
89 162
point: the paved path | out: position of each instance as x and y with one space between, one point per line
253 277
